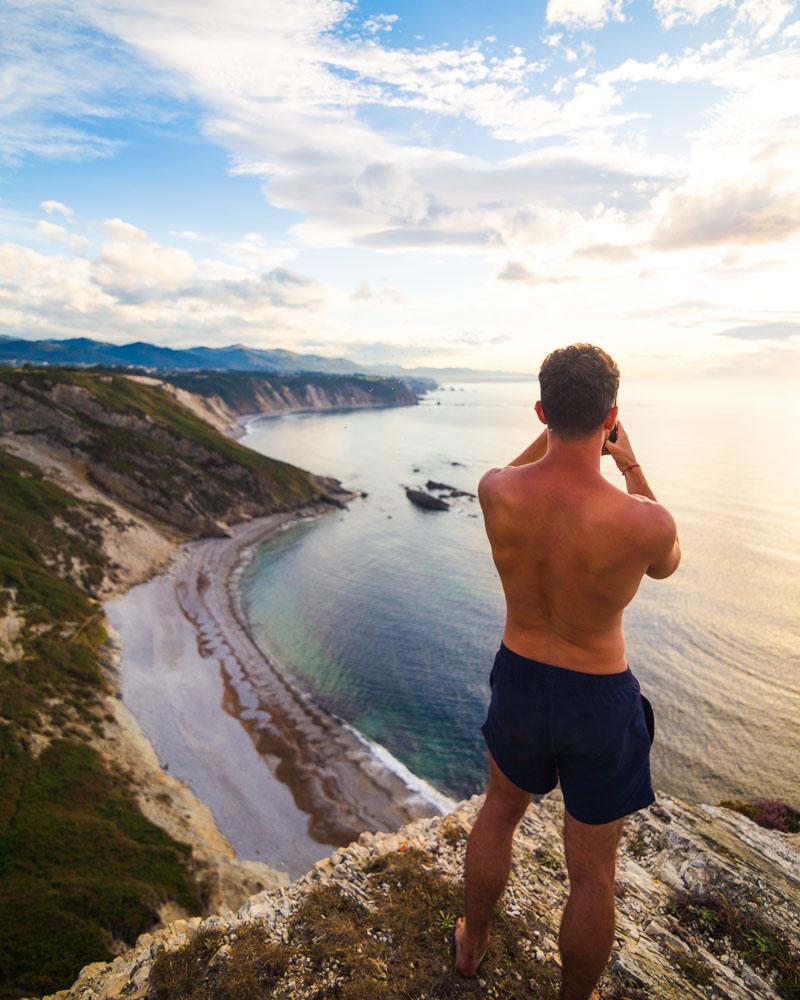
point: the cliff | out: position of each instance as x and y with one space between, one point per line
224 398
100 477
137 447
708 905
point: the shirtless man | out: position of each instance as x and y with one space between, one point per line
571 550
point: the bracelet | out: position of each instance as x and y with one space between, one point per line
634 466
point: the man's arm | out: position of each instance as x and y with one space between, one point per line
532 453
536 450
666 544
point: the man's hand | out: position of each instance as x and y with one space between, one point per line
622 453
620 450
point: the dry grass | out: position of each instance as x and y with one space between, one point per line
208 968
337 948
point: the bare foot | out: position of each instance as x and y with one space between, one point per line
468 958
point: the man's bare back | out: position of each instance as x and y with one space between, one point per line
571 550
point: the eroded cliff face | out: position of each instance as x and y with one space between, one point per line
227 397
708 905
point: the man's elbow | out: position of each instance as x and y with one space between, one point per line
485 482
660 571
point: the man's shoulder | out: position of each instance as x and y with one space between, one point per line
502 481
652 517
493 479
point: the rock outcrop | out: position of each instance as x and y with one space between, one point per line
708 905
426 500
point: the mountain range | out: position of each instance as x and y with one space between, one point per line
83 351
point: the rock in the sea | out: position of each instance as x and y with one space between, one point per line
433 485
425 500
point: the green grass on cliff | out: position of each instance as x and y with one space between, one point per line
154 454
50 561
80 866
82 871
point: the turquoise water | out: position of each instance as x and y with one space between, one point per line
390 615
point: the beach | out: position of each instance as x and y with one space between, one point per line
284 779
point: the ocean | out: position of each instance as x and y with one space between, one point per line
389 616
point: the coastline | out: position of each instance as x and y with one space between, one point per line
285 781
243 420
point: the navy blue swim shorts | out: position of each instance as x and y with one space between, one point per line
591 732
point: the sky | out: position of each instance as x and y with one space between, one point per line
416 183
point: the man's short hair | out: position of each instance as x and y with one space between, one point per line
578 387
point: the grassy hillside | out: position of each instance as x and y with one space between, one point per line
81 869
142 448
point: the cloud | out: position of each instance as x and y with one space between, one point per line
59 73
757 213
479 340
781 330
134 284
766 15
576 14
50 230
380 22
366 293
57 206
672 12
739 183
516 272
130 264
285 95
606 251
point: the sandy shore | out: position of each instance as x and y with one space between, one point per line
284 780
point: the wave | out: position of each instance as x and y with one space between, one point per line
416 785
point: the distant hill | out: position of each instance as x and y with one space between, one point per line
83 351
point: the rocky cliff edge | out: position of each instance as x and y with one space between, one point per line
708 905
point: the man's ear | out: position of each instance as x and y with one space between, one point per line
611 418
540 411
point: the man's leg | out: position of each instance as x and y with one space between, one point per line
487 865
586 934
